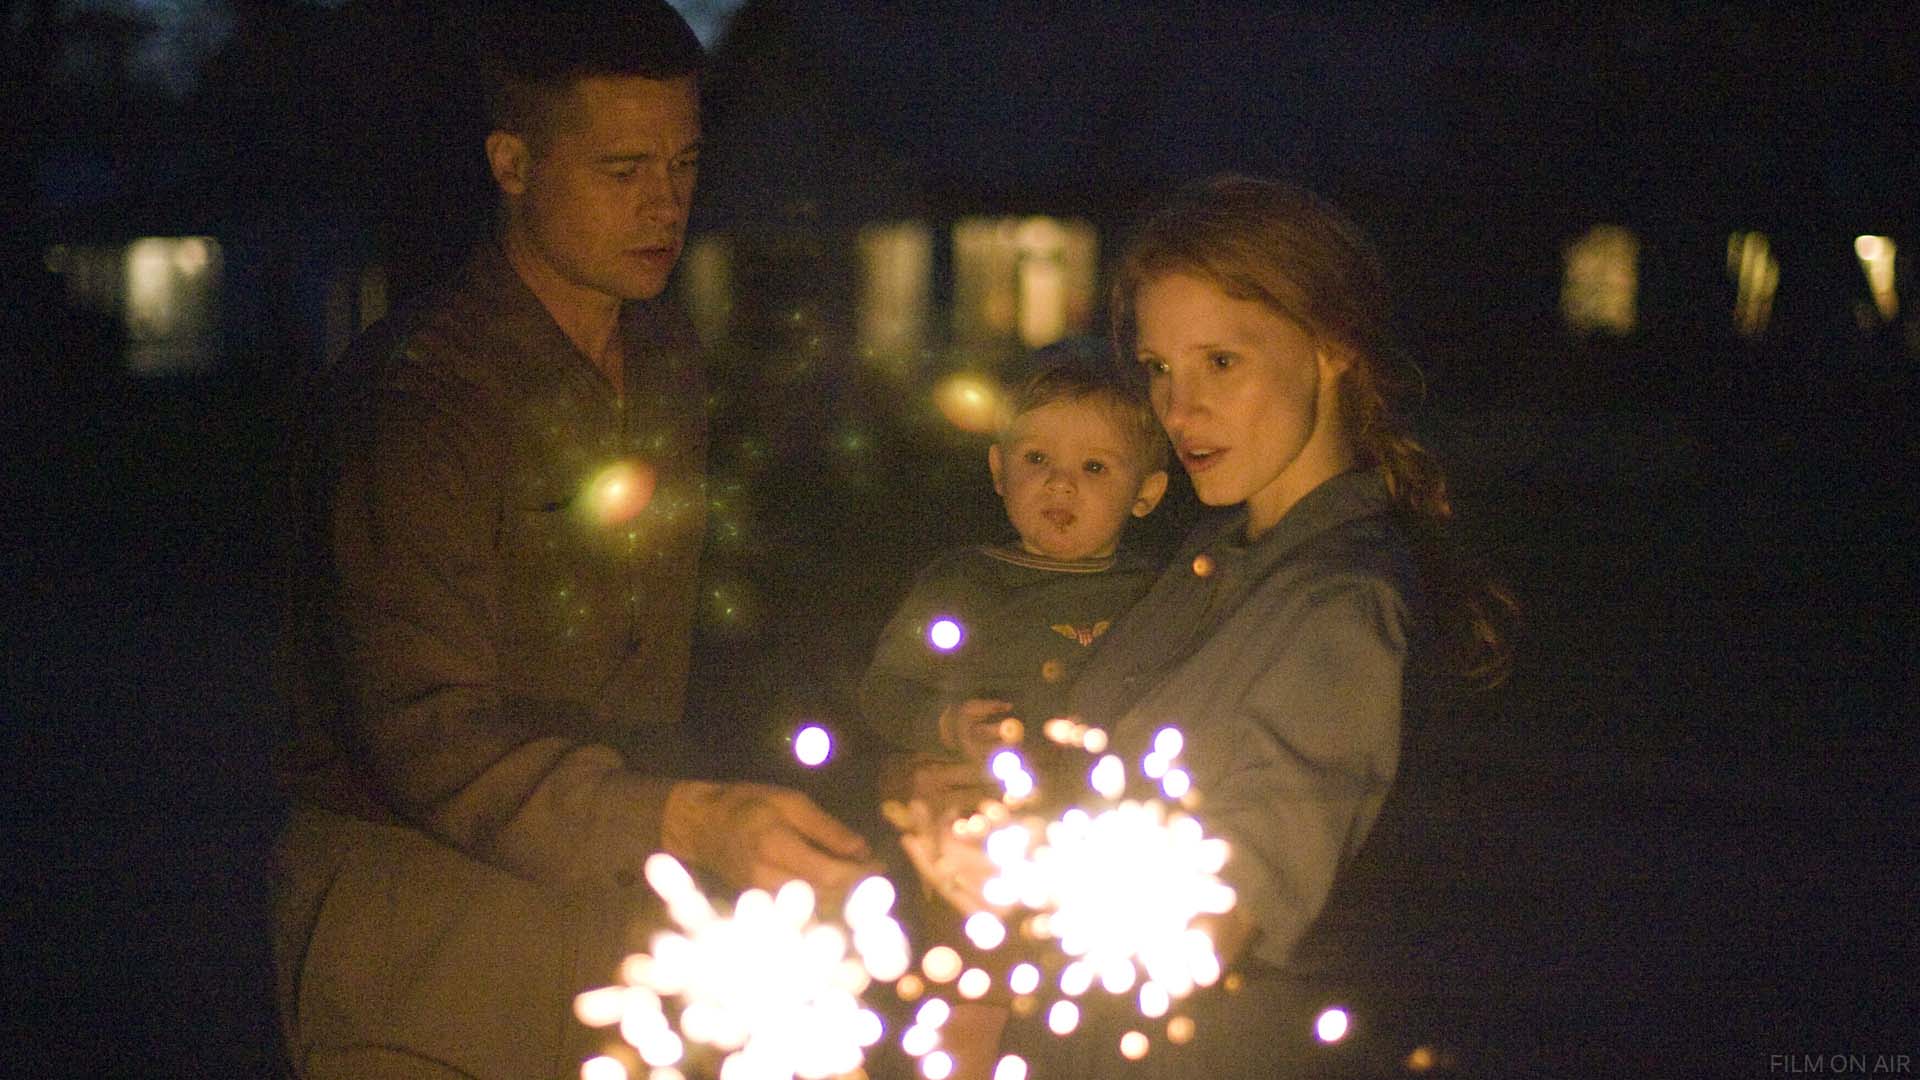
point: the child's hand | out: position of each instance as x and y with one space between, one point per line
977 727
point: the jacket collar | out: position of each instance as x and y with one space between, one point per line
1349 496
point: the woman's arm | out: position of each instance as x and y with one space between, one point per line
1316 748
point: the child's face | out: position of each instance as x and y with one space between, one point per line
1070 475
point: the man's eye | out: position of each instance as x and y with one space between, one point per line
1154 367
1096 467
1221 359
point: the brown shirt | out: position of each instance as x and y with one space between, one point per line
478 645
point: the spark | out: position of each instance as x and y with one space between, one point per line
812 745
945 635
772 988
1121 885
974 984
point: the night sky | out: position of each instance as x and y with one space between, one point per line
1680 842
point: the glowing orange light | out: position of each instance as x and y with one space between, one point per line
1133 1046
1180 1030
969 403
618 493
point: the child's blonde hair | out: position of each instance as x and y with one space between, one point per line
1080 369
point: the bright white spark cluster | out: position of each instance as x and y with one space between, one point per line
767 985
1118 884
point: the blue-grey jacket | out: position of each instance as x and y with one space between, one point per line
1281 663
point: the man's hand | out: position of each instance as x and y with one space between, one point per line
977 727
759 836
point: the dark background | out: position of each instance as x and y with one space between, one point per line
1680 841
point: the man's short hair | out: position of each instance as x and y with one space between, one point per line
1076 369
533 52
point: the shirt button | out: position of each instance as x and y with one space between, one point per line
1202 565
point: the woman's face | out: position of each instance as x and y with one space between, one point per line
1247 397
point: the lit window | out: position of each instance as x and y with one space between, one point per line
1022 280
1755 274
706 277
1602 281
171 304
896 274
1876 261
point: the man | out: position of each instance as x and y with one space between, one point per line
491 620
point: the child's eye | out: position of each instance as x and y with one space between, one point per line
1096 467
1036 457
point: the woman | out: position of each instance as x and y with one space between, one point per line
1278 638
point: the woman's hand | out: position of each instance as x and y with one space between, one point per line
924 798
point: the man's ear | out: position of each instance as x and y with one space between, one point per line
510 161
1152 489
994 465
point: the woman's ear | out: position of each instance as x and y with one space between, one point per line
1334 360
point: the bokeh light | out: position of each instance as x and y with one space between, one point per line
812 745
617 493
970 403
1331 1025
945 634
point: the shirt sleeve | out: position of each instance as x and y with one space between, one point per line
906 686
1321 746
413 527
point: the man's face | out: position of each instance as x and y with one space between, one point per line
604 202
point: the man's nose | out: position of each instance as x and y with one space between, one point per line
658 199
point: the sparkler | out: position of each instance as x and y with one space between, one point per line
769 986
1118 884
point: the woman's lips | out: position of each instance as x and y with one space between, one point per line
1201 460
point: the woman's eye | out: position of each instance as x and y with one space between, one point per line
1221 359
1096 467
1154 367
